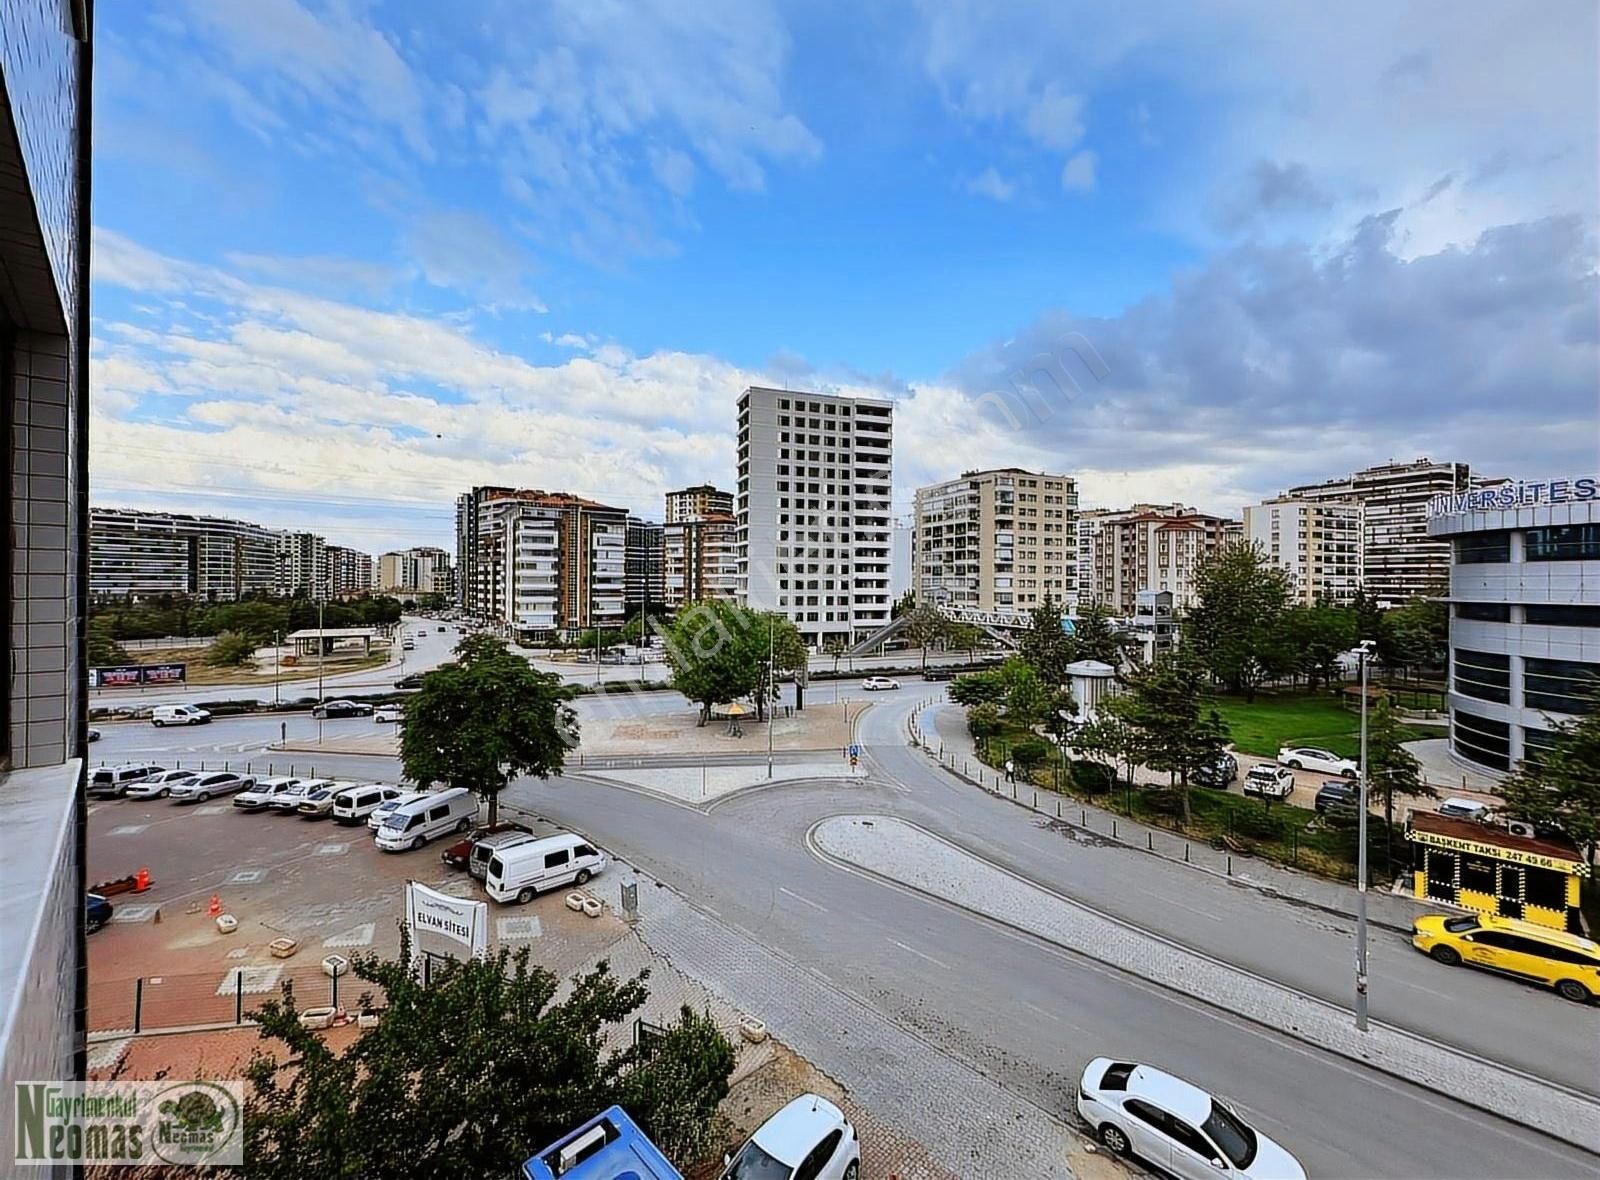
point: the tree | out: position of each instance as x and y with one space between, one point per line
230 650
906 602
1391 768
103 649
1028 753
983 722
967 637
1097 637
1109 737
1172 729
1028 699
835 647
1314 638
466 1076
787 652
1235 627
711 655
1045 646
977 688
1560 787
925 625
485 719
1415 635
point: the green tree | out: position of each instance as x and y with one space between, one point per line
1097 636
1560 787
1028 699
1235 627
1173 729
925 626
967 637
103 649
1315 637
466 1076
1416 635
787 653
976 688
486 719
1045 646
835 647
1109 739
1028 753
906 602
712 656
983 722
1391 768
230 650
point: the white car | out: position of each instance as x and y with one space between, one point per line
318 804
381 812
115 780
1454 808
260 796
389 714
286 802
159 786
810 1138
1164 1120
878 684
1269 781
1315 758
204 786
178 715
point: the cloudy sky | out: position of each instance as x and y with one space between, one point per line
353 257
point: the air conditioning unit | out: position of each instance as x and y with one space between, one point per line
1519 827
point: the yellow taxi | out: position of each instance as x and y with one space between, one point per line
1567 962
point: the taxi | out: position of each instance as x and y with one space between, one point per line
1569 963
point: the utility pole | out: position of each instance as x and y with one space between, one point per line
277 668
322 653
772 685
1364 650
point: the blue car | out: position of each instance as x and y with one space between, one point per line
97 913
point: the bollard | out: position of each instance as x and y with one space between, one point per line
1036 799
1150 841
1058 809
1113 827
1083 817
238 998
1186 852
138 1002
1230 866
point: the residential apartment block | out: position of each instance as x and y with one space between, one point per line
468 506
423 569
1316 542
642 584
302 564
548 564
1000 540
1146 547
700 560
350 572
1399 561
213 557
814 510
701 500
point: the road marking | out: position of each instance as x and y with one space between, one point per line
802 900
246 877
920 955
249 979
134 913
515 929
1199 913
128 830
1045 1012
329 849
355 936
107 1053
213 809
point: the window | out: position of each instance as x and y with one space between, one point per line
1561 686
1563 542
438 813
1477 874
1564 616
554 860
1483 547
811 1167
1482 740
1488 612
1484 675
1546 888
1536 743
1186 1136
1146 1114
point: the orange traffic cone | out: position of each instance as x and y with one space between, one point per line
141 880
216 906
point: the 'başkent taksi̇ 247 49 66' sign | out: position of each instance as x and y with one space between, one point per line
1518 494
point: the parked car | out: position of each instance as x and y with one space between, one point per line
442 630
1464 809
332 709
178 715
523 872
1139 1110
94 734
406 683
159 786
1269 781
408 644
288 802
1338 798
97 912
413 824
356 804
810 1137
382 810
204 786
112 781
458 855
878 684
1569 963
389 714
483 850
937 672
318 804
1315 758
1216 775
260 796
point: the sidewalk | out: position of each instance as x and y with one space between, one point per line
942 721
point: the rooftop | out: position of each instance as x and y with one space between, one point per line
1466 829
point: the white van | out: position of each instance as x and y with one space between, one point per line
178 715
523 870
413 824
382 810
354 805
115 780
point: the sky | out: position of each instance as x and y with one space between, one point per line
351 258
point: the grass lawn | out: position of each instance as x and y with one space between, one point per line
199 672
1274 720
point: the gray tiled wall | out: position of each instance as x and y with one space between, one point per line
44 631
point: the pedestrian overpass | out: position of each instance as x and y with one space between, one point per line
1002 626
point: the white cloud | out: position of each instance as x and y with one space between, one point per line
467 252
989 183
1055 120
1078 173
319 270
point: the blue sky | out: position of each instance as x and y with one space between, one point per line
353 257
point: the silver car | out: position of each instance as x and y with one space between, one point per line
215 782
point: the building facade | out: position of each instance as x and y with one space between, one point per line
302 564
350 572
699 501
212 557
1002 540
700 560
468 513
1318 543
549 564
643 580
1147 547
814 510
422 569
1524 593
45 65
1399 559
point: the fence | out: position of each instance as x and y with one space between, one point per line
170 643
215 1000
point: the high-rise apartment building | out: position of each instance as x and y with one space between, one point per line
1146 547
467 516
1399 561
44 409
814 510
350 572
643 584
213 557
1316 542
302 564
700 560
423 569
549 564
699 501
1001 540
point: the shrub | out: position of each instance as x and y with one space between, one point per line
1029 752
1092 778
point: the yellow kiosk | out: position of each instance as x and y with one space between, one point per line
1489 870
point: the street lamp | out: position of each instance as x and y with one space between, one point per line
1364 653
771 690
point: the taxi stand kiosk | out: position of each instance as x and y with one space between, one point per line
1489 870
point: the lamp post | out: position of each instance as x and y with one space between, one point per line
322 655
771 695
1364 652
277 668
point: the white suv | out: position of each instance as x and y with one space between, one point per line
178 715
809 1138
1269 781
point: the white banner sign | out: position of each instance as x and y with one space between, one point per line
451 927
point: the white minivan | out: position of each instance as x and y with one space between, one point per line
178 715
519 872
354 805
411 825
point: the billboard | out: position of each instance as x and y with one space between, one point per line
445 926
137 675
